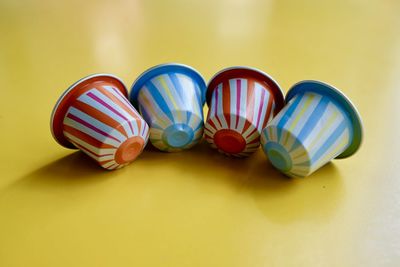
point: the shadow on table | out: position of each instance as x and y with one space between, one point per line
73 170
278 197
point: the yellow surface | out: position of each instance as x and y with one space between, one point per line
197 208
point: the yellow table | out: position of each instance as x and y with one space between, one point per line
197 208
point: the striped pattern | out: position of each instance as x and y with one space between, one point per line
312 129
99 121
171 99
242 105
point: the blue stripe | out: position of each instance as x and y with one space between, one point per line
159 100
178 86
180 91
286 116
188 115
328 143
144 113
198 94
312 121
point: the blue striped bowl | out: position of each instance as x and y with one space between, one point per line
318 124
170 97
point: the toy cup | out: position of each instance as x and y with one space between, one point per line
170 97
94 116
317 124
241 101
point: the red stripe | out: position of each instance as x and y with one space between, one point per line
124 106
95 113
256 140
255 129
99 100
249 105
87 124
211 123
90 151
85 137
105 161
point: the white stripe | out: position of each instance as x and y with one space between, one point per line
315 100
255 145
312 151
243 105
189 89
119 109
170 100
103 127
216 123
159 116
265 102
117 93
327 133
93 103
195 120
301 122
180 99
113 167
271 113
90 132
275 121
233 92
251 128
212 108
209 127
104 158
252 137
89 146
111 103
257 102
306 115
297 171
290 120
108 164
96 123
179 96
220 112
334 150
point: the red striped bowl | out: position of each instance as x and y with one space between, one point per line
241 101
94 115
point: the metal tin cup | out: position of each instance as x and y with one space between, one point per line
94 115
171 97
318 123
241 101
